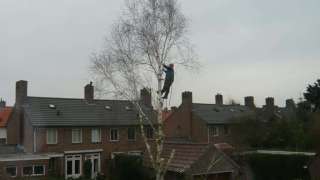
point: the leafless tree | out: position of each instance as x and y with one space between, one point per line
147 35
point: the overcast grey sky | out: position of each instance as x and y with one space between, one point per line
247 47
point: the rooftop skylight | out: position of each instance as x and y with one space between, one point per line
128 108
107 107
52 106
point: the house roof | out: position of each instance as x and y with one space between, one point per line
220 114
4 116
265 114
196 159
43 111
185 155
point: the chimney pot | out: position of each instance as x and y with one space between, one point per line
249 101
219 99
269 101
187 98
89 92
145 96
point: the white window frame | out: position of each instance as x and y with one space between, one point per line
73 158
118 134
56 132
3 134
80 139
135 134
92 157
27 174
44 170
33 173
99 138
12 167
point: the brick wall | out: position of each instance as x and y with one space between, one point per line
108 147
178 125
13 128
199 130
184 124
27 138
65 140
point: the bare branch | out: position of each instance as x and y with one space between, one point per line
149 33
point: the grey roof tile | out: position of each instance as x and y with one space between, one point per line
220 114
78 112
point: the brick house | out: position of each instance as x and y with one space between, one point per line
59 134
205 123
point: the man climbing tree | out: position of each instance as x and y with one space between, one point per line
168 80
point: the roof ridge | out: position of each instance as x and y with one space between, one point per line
65 98
223 105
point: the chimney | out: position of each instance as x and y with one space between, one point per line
21 92
269 102
290 104
249 101
219 99
89 92
145 97
2 104
187 98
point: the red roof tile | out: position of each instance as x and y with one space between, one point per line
196 158
4 116
185 154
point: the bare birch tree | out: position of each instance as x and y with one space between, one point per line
147 35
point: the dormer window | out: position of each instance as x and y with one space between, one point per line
107 107
52 106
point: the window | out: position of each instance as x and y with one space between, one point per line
73 166
11 171
35 170
114 154
149 132
95 135
3 141
38 170
114 135
27 170
213 131
131 134
226 129
52 136
3 136
76 136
